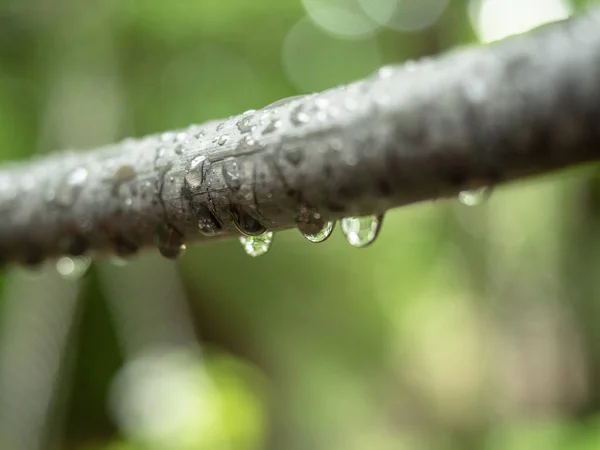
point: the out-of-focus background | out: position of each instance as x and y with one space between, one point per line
462 327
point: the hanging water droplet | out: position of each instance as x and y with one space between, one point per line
170 242
231 174
473 197
124 173
298 116
245 223
361 231
319 236
73 268
195 174
223 140
312 225
257 245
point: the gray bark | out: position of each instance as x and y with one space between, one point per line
473 117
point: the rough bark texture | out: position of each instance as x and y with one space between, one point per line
425 130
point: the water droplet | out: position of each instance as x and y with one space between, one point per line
273 125
247 143
361 231
208 224
298 116
195 174
245 223
73 268
220 126
317 236
69 191
257 245
231 174
223 140
128 201
179 149
170 242
78 177
244 124
124 173
312 225
473 197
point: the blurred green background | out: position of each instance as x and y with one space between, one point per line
460 328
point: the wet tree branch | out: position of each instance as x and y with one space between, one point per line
473 117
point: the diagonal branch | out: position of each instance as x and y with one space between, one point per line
470 118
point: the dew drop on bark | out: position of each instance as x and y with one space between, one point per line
208 224
170 242
124 173
298 116
68 192
78 177
257 245
272 126
361 231
245 122
231 174
195 173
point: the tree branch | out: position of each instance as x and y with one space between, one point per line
426 130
